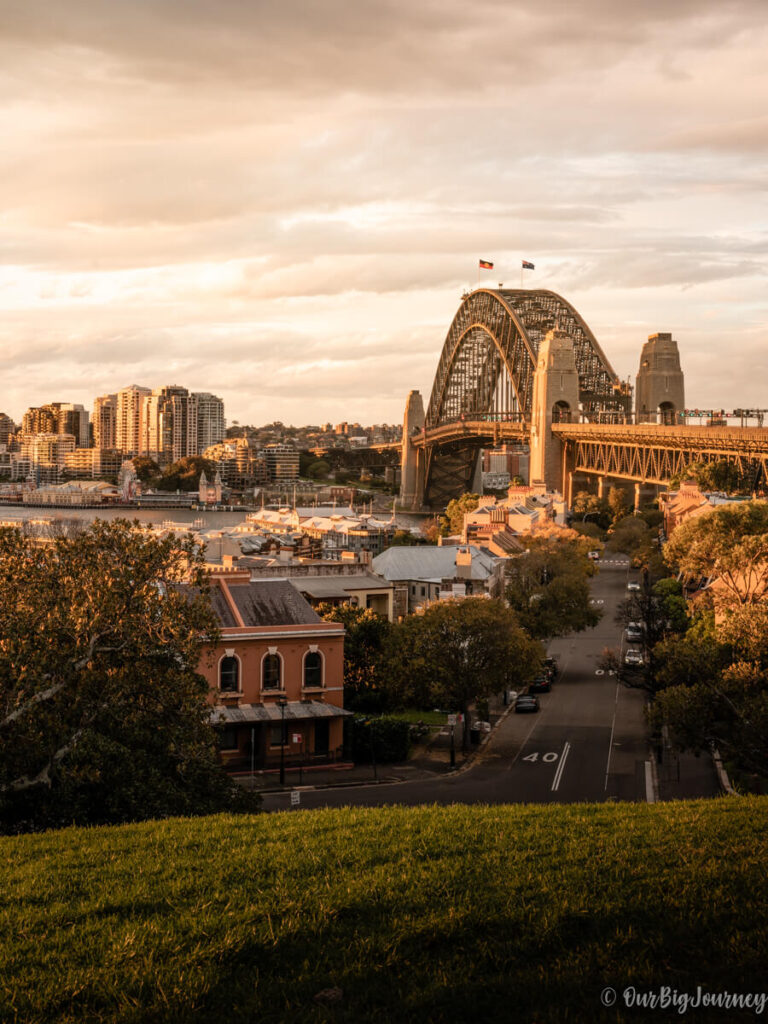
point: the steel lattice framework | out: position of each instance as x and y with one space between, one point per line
489 357
654 454
486 369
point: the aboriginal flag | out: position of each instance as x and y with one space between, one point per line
528 266
486 265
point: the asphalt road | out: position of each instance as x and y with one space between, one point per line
588 741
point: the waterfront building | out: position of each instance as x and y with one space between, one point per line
128 428
169 424
105 422
211 424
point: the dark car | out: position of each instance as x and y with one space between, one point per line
550 667
541 684
526 702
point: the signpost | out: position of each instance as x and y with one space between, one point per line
452 724
295 798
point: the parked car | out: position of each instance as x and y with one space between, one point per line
541 684
633 585
526 702
550 667
634 632
634 657
594 556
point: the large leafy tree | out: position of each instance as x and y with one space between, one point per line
548 585
460 651
365 638
103 715
728 545
453 520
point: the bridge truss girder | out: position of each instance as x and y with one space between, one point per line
658 460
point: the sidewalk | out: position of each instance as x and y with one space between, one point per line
686 776
428 760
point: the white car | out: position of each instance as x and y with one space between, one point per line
633 585
634 657
594 556
634 632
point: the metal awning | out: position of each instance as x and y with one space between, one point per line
295 710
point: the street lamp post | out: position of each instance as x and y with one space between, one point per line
282 704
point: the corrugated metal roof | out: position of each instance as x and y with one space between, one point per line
295 710
422 563
338 586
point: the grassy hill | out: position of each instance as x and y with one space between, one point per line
442 914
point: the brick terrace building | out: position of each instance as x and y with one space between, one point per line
277 662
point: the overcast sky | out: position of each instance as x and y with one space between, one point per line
282 202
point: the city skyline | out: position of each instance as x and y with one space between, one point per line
283 205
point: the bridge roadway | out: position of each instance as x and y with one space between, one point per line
588 742
643 452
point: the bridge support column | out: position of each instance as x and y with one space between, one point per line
555 397
637 498
601 487
569 495
412 460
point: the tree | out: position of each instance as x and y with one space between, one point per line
317 469
632 536
103 715
711 476
728 544
147 470
456 510
430 529
365 639
548 585
405 539
184 475
587 504
617 502
460 651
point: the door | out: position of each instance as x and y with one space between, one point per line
321 736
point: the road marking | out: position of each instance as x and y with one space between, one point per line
610 744
559 772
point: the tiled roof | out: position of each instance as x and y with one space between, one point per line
422 563
271 603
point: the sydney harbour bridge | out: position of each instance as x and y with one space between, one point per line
523 366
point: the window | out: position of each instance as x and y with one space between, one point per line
313 669
270 672
229 675
227 737
277 736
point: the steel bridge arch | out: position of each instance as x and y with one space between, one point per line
496 329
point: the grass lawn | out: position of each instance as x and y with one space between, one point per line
481 914
427 717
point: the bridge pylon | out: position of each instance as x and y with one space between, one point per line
555 400
412 463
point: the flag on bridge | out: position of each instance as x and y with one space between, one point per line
486 265
528 266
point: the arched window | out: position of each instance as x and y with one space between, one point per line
229 674
313 669
271 672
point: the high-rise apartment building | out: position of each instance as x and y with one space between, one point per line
39 420
169 424
46 454
211 425
105 422
7 427
58 418
128 425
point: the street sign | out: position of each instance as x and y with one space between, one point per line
295 797
297 737
451 720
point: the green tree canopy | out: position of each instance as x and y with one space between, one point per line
147 470
453 519
460 651
103 715
548 585
729 545
184 475
365 639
